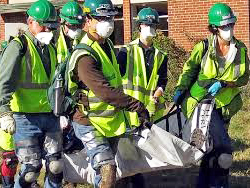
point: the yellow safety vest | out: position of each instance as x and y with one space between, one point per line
107 119
6 141
209 71
136 85
61 47
31 94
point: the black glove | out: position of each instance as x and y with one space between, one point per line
144 118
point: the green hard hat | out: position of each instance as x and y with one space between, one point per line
4 44
43 12
221 14
72 13
99 8
148 16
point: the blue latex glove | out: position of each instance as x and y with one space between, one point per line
214 89
178 97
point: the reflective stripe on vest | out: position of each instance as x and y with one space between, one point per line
106 118
61 47
209 73
31 95
135 81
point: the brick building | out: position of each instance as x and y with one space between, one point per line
183 20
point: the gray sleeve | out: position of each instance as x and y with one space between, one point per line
10 66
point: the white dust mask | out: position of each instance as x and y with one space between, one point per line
74 33
147 32
227 33
105 28
44 37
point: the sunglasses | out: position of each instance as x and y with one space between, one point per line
71 26
103 18
231 25
50 25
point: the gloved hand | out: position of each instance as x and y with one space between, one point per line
7 123
144 118
158 93
178 96
64 122
215 87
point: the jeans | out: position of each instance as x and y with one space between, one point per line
37 136
211 174
100 150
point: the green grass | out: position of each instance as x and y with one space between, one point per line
240 134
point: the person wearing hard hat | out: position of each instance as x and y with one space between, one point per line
68 36
29 64
220 72
149 66
70 32
95 80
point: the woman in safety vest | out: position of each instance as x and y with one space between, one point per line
217 69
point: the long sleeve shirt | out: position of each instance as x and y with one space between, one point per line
89 73
192 66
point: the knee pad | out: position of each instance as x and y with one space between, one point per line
225 160
29 175
102 158
9 164
108 176
54 168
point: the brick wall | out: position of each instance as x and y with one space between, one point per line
3 1
2 28
188 20
127 20
2 21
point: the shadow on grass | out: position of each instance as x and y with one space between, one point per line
241 167
186 178
239 145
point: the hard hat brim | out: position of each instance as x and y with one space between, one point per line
105 12
52 25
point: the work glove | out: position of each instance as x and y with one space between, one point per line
158 93
144 118
7 123
64 122
178 97
215 87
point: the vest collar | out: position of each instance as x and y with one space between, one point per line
232 50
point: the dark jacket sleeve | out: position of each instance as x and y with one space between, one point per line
89 72
122 60
163 70
243 80
9 75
